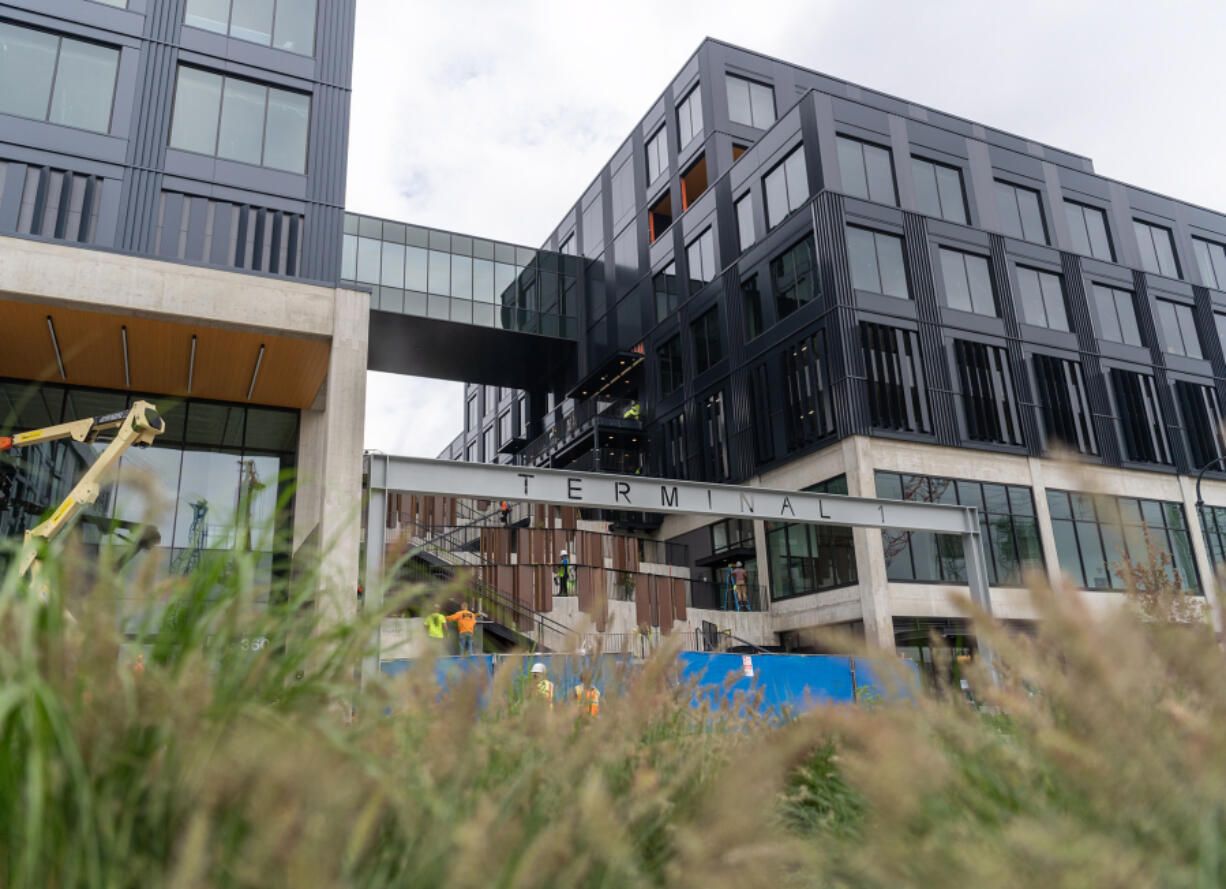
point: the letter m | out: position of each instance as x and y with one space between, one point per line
667 499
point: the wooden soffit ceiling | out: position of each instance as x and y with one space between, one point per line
159 356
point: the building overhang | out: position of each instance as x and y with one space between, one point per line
615 377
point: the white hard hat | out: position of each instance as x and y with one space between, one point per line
563 552
538 667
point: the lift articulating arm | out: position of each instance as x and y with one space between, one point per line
138 426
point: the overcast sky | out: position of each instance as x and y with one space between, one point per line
491 118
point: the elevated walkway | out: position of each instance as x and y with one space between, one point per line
455 307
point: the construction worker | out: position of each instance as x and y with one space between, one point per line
740 580
634 412
466 622
542 687
436 628
587 696
566 576
505 509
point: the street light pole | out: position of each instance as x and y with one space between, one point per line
1216 461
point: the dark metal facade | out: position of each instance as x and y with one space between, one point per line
611 226
154 200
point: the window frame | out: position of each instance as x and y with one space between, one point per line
1116 294
706 329
791 283
1015 188
745 202
706 236
693 95
1151 230
1083 210
876 234
659 137
862 145
973 298
750 85
1039 273
267 87
674 363
1180 312
937 166
783 169
1214 281
272 34
55 72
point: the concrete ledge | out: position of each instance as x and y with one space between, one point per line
78 277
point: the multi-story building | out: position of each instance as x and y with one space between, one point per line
779 279
803 283
172 180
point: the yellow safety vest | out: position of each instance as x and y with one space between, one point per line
544 690
589 699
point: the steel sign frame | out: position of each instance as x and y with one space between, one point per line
599 490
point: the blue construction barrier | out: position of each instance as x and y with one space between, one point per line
772 685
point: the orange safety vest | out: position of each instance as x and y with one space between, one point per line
589 700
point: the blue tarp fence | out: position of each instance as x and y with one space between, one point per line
770 684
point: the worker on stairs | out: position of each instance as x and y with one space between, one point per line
566 576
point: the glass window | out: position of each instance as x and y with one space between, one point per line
809 413
84 86
665 286
750 103
60 80
349 257
689 118
1007 523
1178 328
368 260
1088 228
1117 315
1064 403
1095 533
657 154
810 558
241 135
252 20
708 344
212 15
752 300
968 283
1211 259
197 109
1042 298
939 190
669 358
700 256
1021 212
294 29
283 24
787 187
1157 249
229 118
876 262
474 413
794 275
285 135
867 170
744 220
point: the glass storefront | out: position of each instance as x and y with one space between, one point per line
212 481
811 558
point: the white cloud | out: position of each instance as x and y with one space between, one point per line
490 118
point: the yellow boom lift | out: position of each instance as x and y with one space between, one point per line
138 426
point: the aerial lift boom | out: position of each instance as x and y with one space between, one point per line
138 426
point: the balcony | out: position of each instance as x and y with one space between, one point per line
598 424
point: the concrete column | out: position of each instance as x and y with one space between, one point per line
328 501
870 553
1204 565
762 554
1047 537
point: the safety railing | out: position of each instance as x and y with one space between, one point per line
618 412
722 597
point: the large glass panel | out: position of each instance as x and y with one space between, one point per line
1030 294
440 273
1053 301
1187 327
241 136
84 86
927 199
953 202
208 495
1077 227
1096 227
197 103
368 260
744 220
295 26
739 110
851 166
1066 550
27 66
349 257
1104 303
416 261
797 178
462 277
252 20
146 494
1032 216
880 175
863 256
953 271
392 274
212 15
483 280
893 271
980 279
776 196
285 140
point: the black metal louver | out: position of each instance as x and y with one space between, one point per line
894 376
